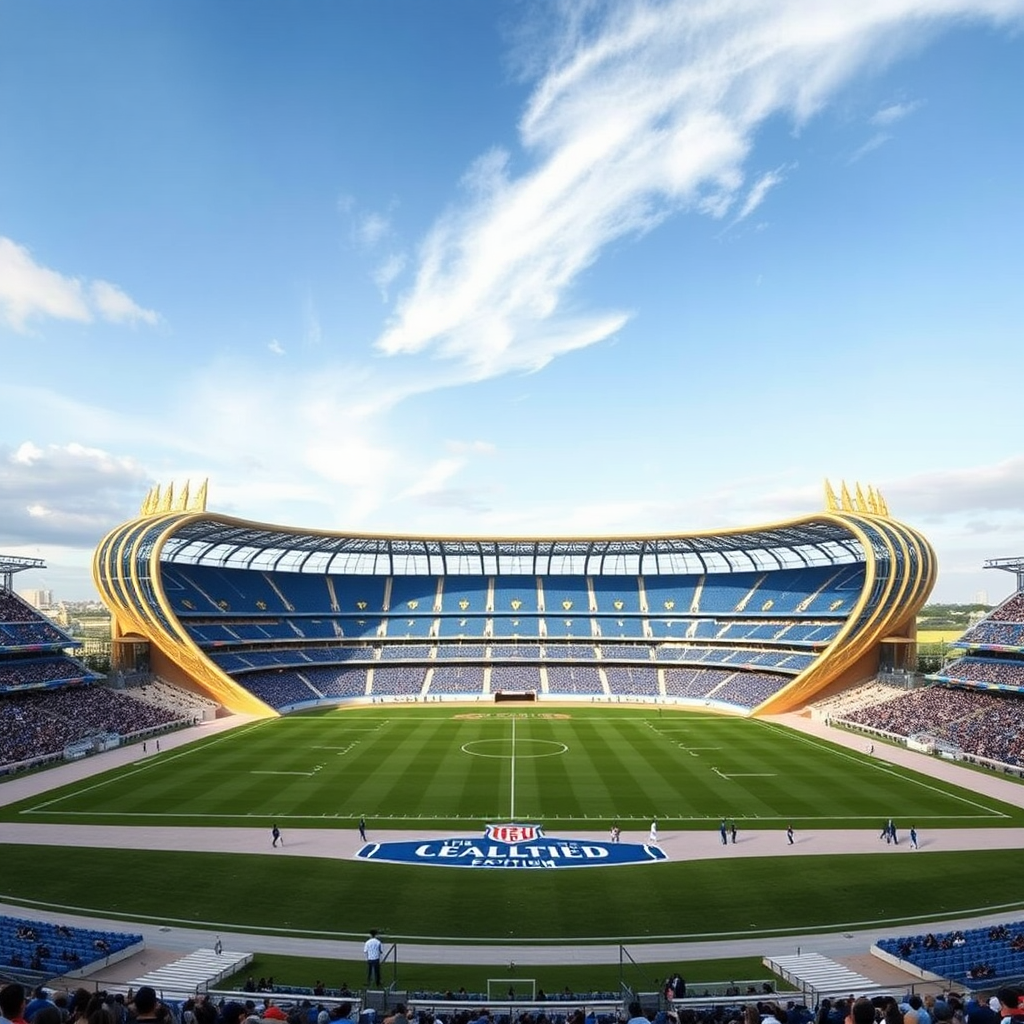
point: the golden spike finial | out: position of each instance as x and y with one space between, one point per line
883 508
199 502
154 505
859 503
182 504
168 499
846 502
831 501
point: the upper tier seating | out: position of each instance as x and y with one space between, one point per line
761 627
1004 672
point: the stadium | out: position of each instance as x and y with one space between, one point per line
266 619
432 688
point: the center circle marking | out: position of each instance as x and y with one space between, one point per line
470 748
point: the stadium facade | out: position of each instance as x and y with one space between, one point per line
268 619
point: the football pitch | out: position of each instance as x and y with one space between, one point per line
446 768
453 770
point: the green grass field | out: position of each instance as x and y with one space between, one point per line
568 769
573 769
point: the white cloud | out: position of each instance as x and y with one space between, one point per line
471 447
648 109
68 495
994 488
758 191
372 228
112 304
876 140
388 271
434 477
276 347
893 113
30 291
27 453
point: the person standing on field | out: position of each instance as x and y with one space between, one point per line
373 948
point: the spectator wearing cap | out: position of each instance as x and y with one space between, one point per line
273 1012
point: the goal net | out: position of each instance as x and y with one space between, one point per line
511 989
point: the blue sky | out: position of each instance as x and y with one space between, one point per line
506 268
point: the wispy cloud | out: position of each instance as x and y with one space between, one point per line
646 109
112 304
876 140
276 347
373 228
893 113
883 120
29 290
758 191
388 272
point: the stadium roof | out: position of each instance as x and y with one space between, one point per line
216 540
10 564
14 563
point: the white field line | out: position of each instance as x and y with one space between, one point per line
512 794
666 817
883 767
146 765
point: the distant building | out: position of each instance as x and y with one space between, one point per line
981 597
37 598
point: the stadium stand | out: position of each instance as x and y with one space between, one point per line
976 958
52 706
58 950
993 650
457 679
37 725
772 606
286 635
983 725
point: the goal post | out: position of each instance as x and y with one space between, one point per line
521 989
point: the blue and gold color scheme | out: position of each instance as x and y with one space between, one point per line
267 619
